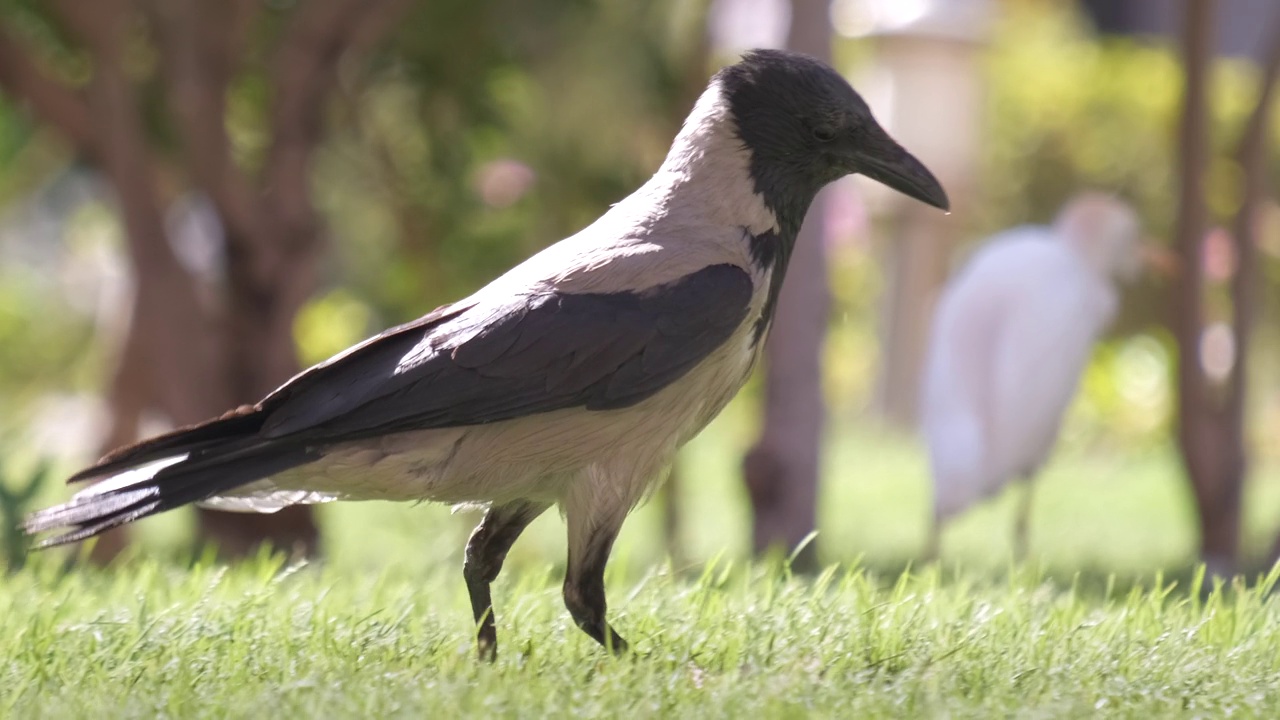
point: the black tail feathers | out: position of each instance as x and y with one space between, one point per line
167 472
237 425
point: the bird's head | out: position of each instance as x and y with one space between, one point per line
1107 233
805 127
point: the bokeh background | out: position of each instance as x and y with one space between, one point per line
198 198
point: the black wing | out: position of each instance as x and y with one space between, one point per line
245 422
460 365
537 353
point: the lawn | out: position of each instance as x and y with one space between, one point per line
1105 620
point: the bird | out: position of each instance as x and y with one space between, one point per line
1011 335
570 380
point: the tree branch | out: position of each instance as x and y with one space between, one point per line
1192 216
55 103
304 70
101 26
164 298
200 41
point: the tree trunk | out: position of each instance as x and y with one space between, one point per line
782 468
127 398
274 241
261 357
185 355
273 236
169 332
1209 439
1211 418
917 267
1253 154
668 497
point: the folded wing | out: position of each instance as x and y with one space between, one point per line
464 364
536 353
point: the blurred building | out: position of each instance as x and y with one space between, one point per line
927 66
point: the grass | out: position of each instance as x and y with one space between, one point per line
261 640
1092 626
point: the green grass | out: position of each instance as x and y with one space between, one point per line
1106 619
260 640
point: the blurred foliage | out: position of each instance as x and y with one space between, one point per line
16 499
852 349
1068 111
476 139
481 139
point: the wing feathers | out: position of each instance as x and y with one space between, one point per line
207 435
540 352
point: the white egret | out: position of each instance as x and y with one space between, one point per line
1012 333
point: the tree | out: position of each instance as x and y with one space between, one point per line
782 468
1211 414
187 355
1253 153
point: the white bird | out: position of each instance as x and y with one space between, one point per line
1012 333
572 379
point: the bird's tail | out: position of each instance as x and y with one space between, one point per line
182 467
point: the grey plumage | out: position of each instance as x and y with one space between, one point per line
572 379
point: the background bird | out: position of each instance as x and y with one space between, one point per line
572 379
1012 333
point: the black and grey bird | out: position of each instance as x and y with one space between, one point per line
572 379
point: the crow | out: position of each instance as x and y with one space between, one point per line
572 379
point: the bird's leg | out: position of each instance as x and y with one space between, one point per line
933 541
1022 523
486 550
590 540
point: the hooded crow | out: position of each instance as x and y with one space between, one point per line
572 379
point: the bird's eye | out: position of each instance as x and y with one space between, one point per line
824 133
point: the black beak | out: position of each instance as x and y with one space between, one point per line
887 162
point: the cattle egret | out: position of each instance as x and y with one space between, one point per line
1012 333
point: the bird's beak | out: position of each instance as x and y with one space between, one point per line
1159 259
887 162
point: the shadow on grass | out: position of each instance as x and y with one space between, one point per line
1092 583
